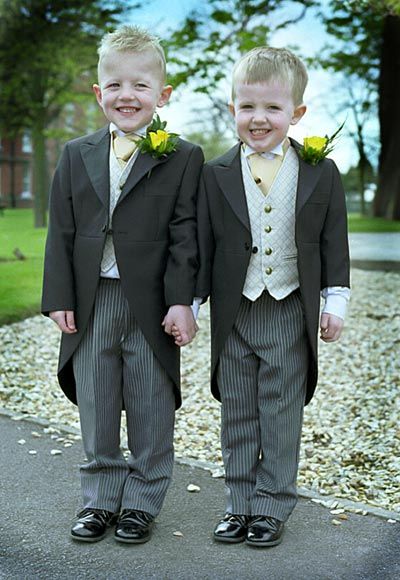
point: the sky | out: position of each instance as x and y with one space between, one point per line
322 95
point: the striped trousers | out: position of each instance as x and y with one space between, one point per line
115 367
262 381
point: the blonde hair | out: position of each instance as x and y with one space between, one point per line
131 38
264 63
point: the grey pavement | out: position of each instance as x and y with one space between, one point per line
375 251
40 494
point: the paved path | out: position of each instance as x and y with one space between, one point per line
40 493
375 251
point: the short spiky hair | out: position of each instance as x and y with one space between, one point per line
264 63
132 39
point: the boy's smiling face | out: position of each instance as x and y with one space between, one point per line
263 113
130 88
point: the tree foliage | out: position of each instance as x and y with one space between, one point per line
215 34
363 30
44 47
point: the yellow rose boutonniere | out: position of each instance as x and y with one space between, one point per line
315 149
158 142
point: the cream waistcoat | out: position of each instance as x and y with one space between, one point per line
272 219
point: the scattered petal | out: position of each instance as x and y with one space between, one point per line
193 488
178 534
55 452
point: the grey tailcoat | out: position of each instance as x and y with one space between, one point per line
225 245
154 234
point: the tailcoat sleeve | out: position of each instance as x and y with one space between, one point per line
58 279
205 238
335 262
182 262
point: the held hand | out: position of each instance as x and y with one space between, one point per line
180 323
65 320
331 327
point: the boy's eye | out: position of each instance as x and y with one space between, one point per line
247 106
141 85
274 108
113 85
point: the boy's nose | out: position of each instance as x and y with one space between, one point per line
260 117
127 93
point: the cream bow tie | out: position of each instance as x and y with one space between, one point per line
124 147
264 170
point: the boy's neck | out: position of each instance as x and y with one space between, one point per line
115 129
279 149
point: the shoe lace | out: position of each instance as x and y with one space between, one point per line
103 516
243 519
135 516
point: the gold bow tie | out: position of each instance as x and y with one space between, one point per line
264 170
125 146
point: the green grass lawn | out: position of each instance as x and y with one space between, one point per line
20 280
359 223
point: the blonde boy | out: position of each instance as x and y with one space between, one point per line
272 235
120 267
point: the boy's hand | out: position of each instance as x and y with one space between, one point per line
181 318
65 320
331 327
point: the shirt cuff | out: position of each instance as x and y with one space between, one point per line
196 307
336 300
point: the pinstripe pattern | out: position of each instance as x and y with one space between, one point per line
262 380
115 366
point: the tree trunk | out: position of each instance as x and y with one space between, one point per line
387 199
13 197
40 175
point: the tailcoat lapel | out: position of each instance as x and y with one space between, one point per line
142 166
229 177
95 155
308 177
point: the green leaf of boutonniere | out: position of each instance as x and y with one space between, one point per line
158 142
315 149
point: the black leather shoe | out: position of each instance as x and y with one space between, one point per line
231 529
92 524
264 531
134 527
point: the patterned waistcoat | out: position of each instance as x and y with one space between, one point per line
273 266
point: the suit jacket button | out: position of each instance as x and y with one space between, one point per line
109 232
104 229
254 250
247 246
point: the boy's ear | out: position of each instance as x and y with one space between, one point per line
231 108
165 95
97 92
298 114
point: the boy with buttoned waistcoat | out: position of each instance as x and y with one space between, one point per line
272 233
120 266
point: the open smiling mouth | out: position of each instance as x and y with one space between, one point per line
128 109
260 131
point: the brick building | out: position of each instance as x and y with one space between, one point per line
15 172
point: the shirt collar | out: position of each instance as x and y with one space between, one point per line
114 129
279 149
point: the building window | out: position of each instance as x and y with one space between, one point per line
26 183
26 143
